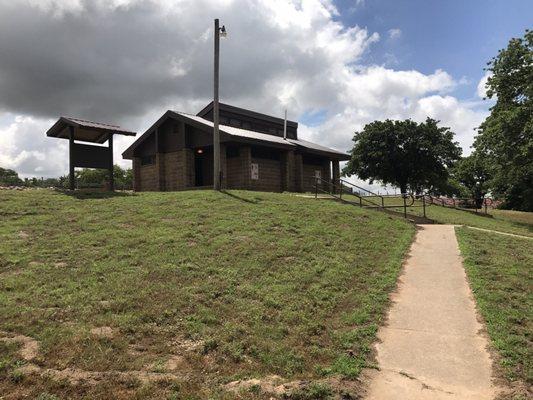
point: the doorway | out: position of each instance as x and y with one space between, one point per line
203 167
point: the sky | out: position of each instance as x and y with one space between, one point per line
335 65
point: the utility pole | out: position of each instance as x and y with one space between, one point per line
217 175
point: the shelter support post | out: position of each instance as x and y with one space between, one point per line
246 159
111 177
336 175
71 158
298 168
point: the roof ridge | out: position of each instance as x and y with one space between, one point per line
92 122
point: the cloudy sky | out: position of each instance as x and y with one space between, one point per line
335 65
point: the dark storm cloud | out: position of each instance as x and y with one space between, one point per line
111 63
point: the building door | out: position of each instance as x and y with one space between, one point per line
203 167
198 170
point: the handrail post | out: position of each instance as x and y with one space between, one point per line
424 204
382 202
485 201
360 201
404 205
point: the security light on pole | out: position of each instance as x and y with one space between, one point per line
217 174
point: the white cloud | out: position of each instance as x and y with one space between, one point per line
127 61
394 33
481 89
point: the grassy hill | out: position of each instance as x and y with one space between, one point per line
499 271
519 223
176 295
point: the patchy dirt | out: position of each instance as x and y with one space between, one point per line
76 376
174 362
29 347
60 264
105 304
30 350
188 344
35 263
170 365
274 385
23 234
104 332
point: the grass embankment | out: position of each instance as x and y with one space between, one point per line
500 272
207 287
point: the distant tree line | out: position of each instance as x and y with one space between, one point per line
423 157
85 178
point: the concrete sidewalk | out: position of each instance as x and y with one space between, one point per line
431 347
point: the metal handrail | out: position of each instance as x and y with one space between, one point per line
342 181
361 198
334 185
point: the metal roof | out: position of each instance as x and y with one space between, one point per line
84 130
317 147
239 134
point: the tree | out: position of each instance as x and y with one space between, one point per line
474 175
98 178
412 156
8 177
506 136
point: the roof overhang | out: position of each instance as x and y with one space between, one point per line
231 134
86 131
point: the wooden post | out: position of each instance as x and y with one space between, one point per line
424 204
71 157
111 177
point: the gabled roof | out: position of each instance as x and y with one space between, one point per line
87 131
249 113
230 133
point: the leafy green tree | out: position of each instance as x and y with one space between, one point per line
506 136
8 177
98 178
409 155
474 174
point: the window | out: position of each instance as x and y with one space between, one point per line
148 160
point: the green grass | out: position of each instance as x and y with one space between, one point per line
499 269
501 220
239 285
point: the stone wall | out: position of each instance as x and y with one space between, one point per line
173 174
148 177
269 175
308 172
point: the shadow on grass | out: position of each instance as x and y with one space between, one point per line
93 194
254 201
